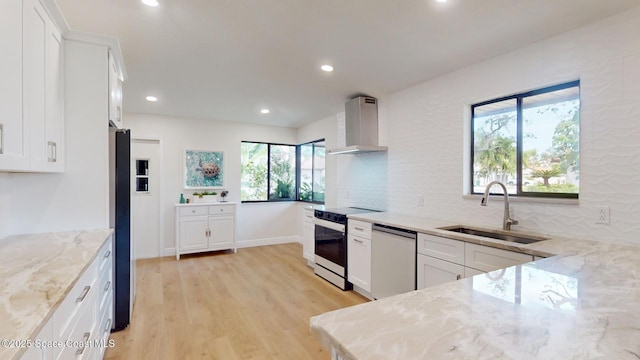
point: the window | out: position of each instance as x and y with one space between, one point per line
311 180
279 172
268 172
528 141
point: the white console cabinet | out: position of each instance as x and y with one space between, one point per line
205 227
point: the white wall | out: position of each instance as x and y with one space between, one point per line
424 126
78 198
258 223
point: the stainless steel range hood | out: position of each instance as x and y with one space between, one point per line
361 127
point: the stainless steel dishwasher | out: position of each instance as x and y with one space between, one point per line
393 261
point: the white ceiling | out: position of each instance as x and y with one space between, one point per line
227 59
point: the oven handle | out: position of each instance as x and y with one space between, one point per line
329 224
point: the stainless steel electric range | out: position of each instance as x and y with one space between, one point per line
331 244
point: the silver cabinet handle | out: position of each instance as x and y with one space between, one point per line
358 240
53 151
85 291
193 211
107 328
85 338
358 228
1 139
106 287
458 277
107 254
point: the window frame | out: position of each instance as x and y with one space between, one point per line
299 170
269 144
519 141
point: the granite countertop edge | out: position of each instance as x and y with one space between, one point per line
37 271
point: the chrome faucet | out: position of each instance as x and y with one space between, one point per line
507 221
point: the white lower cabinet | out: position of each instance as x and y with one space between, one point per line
76 325
359 262
432 271
205 227
308 244
441 260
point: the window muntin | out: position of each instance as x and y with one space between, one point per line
529 141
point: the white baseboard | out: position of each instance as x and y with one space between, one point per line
252 243
267 241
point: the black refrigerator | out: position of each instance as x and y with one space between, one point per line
120 221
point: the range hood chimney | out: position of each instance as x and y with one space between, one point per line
361 127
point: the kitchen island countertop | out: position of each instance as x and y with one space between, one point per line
581 303
36 273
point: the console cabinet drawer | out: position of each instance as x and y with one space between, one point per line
194 211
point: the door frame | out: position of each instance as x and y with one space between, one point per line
162 251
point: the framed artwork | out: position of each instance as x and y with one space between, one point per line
203 169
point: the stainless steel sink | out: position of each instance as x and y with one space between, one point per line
498 235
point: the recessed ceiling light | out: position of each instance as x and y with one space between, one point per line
151 98
265 111
150 2
327 68
441 0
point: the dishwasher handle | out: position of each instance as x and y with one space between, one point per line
395 231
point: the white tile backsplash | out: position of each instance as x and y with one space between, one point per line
425 126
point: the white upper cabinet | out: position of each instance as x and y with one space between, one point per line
32 111
13 154
115 93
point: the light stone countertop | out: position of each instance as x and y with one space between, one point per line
582 303
36 273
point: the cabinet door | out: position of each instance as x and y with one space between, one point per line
12 127
486 258
193 233
432 271
115 93
308 245
221 232
469 272
54 93
34 52
359 262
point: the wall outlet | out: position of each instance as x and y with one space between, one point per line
420 201
603 215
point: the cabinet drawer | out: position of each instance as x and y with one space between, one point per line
193 210
486 258
221 209
82 293
308 215
105 255
441 248
105 288
81 334
359 228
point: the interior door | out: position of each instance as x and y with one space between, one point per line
146 194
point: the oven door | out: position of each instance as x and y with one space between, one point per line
331 242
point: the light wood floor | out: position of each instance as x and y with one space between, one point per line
255 304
